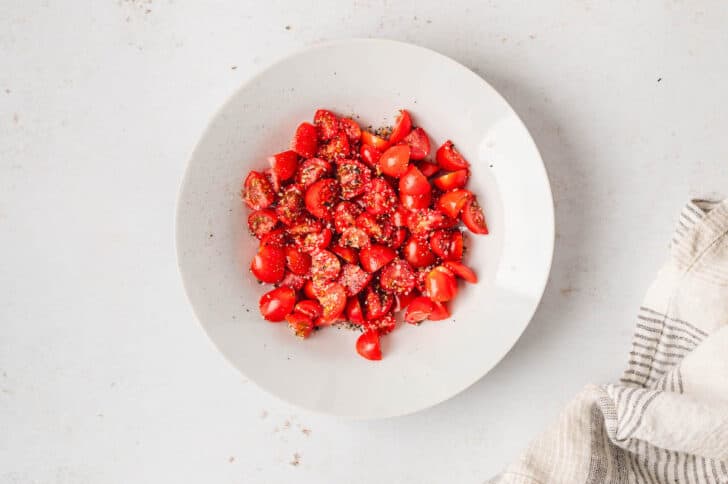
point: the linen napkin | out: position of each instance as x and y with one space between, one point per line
666 421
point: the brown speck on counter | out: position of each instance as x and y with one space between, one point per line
233 67
306 431
212 235
659 79
231 459
428 21
296 459
288 27
16 118
263 414
7 91
147 11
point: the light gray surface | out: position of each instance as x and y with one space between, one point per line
104 374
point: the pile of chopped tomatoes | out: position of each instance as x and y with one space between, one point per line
354 226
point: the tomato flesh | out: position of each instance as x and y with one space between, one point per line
354 279
402 127
351 128
371 139
452 202
375 257
473 217
333 301
321 198
262 222
419 144
450 158
353 178
257 191
419 309
311 171
305 140
327 124
452 180
397 277
462 271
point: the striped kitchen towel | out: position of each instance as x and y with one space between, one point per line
666 421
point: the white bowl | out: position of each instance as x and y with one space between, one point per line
422 365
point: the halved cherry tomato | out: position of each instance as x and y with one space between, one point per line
297 262
441 285
402 127
371 139
450 158
272 177
354 279
428 169
290 205
375 257
419 309
413 182
376 304
367 345
398 238
261 222
399 217
383 325
311 171
452 202
301 324
442 243
269 264
351 128
354 313
393 162
314 241
305 142
347 253
309 307
370 155
294 281
327 124
473 217
321 198
354 237
333 301
401 301
353 178
308 290
325 265
456 246
275 305
284 164
379 197
337 147
417 252
257 191
419 144
440 312
373 228
345 215
415 202
306 224
426 220
463 271
276 238
397 277
452 180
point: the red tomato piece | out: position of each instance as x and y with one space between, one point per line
452 202
449 158
428 169
284 164
345 215
351 128
269 264
272 177
440 312
347 253
379 197
375 257
371 139
456 246
473 217
305 224
419 144
261 222
354 237
327 124
314 241
397 277
333 301
441 285
424 221
415 202
308 290
398 238
290 205
451 180
294 281
257 191
325 265
419 309
275 305
376 304
402 127
417 252
354 313
401 301
442 243
338 147
462 271
311 171
379 231
368 346
297 261
393 162
383 325
370 155
301 324
305 141
276 238
321 198
354 279
413 182
310 308
353 178
399 217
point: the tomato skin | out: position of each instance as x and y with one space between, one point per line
452 202
308 290
370 155
383 325
417 252
419 144
354 237
375 257
301 324
450 158
321 198
440 312
325 265
399 217
353 178
354 313
441 285
354 279
368 346
397 277
376 305
276 238
456 246
398 238
333 301
415 202
261 222
337 147
327 124
305 141
311 171
275 305
452 180
401 301
473 217
284 164
371 139
294 281
297 262
419 309
402 127
379 197
268 265
290 205
428 169
314 241
351 128
373 228
413 182
309 307
257 191
441 243
347 253
462 271
393 162
424 221
345 215
305 224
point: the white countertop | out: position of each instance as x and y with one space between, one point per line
106 377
